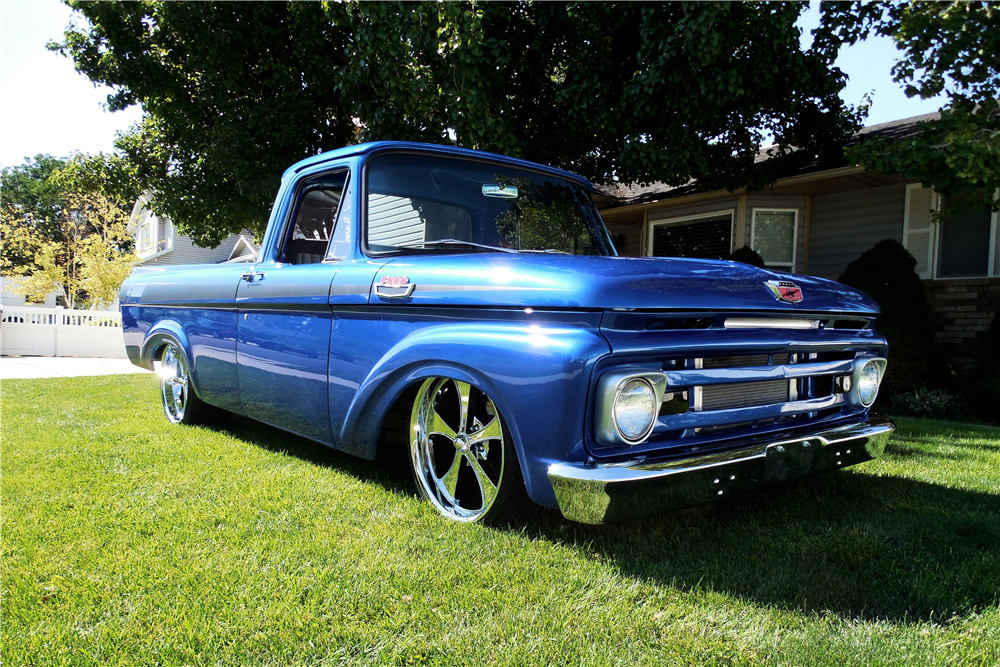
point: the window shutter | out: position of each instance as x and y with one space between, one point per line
918 231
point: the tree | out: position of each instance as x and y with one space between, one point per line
949 47
31 207
235 92
89 262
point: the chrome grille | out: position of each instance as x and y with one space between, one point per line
744 360
743 394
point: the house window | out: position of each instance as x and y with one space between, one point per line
964 244
706 236
773 234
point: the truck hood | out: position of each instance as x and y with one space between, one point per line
602 283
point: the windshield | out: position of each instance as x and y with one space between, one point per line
425 203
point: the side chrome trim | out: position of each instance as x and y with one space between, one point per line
602 494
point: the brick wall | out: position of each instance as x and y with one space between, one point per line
965 310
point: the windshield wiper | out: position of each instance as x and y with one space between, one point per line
455 242
546 250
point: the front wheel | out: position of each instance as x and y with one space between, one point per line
462 456
180 404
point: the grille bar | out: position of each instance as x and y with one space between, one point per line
749 414
727 375
743 394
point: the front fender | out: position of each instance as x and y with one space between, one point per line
538 376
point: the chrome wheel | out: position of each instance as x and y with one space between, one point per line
457 448
174 382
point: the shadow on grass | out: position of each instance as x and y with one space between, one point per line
846 543
390 469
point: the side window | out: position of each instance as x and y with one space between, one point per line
308 235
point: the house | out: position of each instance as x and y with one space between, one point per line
820 215
157 243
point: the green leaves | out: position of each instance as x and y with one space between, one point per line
945 47
236 92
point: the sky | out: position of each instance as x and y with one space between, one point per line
47 107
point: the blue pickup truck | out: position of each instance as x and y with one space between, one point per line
472 307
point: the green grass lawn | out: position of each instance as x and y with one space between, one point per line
129 541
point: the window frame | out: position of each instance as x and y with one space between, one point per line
934 259
795 233
301 189
653 224
600 236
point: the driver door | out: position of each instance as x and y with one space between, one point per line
285 319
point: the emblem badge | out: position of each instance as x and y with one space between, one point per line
785 290
395 281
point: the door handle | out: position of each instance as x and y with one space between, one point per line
400 292
253 277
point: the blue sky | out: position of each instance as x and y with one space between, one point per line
49 108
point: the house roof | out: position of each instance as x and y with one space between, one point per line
796 164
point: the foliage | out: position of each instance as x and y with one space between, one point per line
46 275
112 176
886 272
64 224
747 255
945 47
931 403
90 261
106 257
32 202
235 92
128 541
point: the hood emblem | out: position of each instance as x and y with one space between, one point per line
785 290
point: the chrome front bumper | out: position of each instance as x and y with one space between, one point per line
602 494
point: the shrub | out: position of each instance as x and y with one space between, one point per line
747 255
932 403
982 385
886 273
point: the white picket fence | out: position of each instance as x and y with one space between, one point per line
57 332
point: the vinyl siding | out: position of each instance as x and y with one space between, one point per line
186 252
633 238
846 224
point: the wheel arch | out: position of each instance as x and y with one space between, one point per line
157 338
379 397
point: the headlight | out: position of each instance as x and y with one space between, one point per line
868 381
635 409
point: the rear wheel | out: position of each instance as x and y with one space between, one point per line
180 404
462 456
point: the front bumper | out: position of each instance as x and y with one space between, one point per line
602 494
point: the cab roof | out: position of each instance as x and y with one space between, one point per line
364 149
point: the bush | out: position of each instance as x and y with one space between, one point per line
886 273
931 403
747 255
982 384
